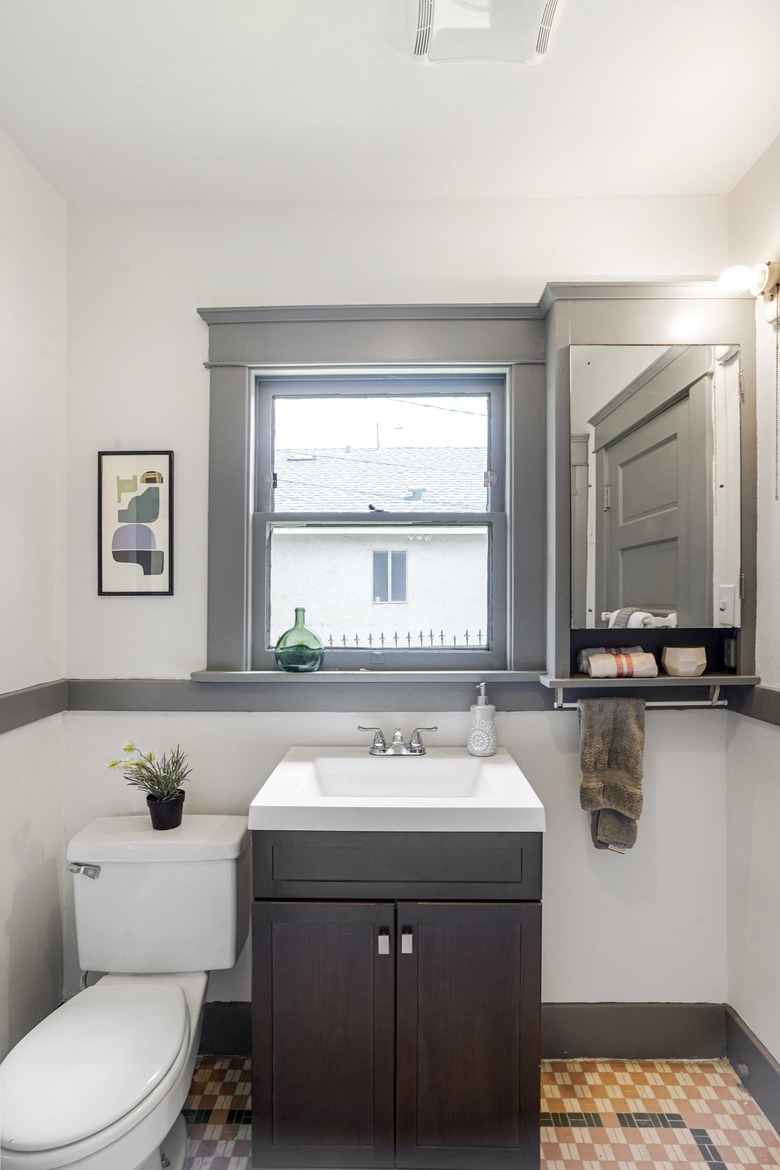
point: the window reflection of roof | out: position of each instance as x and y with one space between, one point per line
334 479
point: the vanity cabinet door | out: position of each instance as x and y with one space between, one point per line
468 1046
323 1034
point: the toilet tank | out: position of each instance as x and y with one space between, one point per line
160 900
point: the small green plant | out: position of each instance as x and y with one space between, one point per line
157 776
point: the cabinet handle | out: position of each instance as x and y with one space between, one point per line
383 941
407 940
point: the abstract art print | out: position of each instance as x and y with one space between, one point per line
135 523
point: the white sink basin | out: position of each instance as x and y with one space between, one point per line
448 790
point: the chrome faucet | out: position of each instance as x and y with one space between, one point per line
397 747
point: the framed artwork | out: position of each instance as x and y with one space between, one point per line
135 523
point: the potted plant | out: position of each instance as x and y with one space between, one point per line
160 777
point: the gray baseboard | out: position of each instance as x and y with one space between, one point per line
618 1030
757 1068
633 1031
227 1029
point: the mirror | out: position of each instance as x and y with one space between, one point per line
655 483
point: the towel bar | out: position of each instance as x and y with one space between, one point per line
713 701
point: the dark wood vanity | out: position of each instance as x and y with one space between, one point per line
396 1000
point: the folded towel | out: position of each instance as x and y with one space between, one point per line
622 665
611 830
583 656
612 739
630 618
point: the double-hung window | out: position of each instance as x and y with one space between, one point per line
380 508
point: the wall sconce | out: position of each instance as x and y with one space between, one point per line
761 281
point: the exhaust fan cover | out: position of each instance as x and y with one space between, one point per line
483 30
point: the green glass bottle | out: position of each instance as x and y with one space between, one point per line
299 649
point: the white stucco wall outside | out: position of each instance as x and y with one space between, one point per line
446 586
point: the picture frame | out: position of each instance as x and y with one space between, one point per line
135 523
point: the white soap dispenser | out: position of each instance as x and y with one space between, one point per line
482 739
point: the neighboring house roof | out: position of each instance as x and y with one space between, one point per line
390 479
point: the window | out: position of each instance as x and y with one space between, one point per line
282 501
389 576
413 464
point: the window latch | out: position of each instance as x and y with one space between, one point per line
490 479
270 480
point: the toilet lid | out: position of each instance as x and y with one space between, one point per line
89 1063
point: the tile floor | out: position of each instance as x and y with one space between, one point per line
596 1115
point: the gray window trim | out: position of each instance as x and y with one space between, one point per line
478 339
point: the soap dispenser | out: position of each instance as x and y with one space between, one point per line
482 735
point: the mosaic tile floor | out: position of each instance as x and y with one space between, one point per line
596 1115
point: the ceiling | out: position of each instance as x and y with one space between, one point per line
203 100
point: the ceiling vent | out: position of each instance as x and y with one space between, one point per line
483 30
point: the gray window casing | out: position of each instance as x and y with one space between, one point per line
247 343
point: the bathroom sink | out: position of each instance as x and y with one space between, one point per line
446 789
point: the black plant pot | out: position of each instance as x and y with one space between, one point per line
166 814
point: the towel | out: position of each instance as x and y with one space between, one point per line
583 656
612 740
630 618
622 665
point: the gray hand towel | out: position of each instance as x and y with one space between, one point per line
612 739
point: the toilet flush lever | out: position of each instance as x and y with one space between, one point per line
90 871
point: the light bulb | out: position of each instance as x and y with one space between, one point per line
736 279
739 278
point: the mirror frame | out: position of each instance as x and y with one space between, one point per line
692 313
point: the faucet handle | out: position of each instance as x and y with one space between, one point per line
416 743
379 739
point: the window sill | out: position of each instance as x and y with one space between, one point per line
320 677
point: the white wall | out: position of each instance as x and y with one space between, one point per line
644 927
754 877
754 747
34 437
136 276
754 235
31 876
32 583
137 273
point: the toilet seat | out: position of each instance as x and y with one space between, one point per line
96 1059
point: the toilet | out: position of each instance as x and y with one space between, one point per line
100 1083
